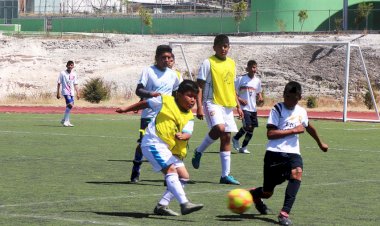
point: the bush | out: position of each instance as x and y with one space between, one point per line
368 100
96 90
311 102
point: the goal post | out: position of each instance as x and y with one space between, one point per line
348 45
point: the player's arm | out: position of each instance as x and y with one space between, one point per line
274 133
77 91
313 133
134 107
58 88
186 132
201 85
143 93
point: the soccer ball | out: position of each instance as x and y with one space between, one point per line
239 200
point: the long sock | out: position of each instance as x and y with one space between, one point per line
207 141
247 138
257 193
239 134
66 116
168 196
175 187
225 160
138 159
290 194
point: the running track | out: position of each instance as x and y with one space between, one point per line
332 115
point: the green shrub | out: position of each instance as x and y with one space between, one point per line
368 100
311 102
96 90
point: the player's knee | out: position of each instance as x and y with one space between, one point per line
267 194
70 105
220 128
248 128
297 173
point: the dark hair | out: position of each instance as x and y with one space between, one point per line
163 49
293 87
69 62
221 40
251 63
188 85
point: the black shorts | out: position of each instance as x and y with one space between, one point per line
250 119
143 124
278 167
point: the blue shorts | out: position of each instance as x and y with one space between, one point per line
143 124
250 119
278 167
69 99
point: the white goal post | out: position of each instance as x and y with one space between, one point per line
346 44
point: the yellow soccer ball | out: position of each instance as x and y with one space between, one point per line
239 200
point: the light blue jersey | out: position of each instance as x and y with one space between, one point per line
155 80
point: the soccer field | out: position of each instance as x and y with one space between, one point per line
54 175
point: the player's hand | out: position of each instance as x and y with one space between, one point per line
155 94
120 110
324 147
182 136
299 129
243 102
58 96
240 113
78 96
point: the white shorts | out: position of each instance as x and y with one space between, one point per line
216 114
160 157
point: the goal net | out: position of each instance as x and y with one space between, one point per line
328 71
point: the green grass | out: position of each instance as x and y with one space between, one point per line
51 175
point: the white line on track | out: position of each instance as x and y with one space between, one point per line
63 134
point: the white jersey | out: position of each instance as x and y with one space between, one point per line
204 74
247 88
285 119
150 136
155 80
67 82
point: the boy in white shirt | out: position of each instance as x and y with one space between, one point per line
68 80
283 159
247 87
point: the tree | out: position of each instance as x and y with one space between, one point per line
240 12
302 16
362 13
146 19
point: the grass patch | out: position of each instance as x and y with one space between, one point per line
53 175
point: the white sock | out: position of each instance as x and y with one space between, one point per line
66 116
175 187
225 160
168 196
207 141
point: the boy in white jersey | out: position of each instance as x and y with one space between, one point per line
247 88
68 80
216 101
283 160
165 143
155 80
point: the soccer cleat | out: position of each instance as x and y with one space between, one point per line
164 211
283 219
196 160
135 176
235 144
229 180
62 121
189 207
67 124
244 150
261 207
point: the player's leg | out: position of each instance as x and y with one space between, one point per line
294 183
238 135
214 118
137 160
250 124
69 105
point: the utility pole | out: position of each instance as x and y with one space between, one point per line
345 19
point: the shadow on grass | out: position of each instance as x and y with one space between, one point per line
240 217
123 160
136 215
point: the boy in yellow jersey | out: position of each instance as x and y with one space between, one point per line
165 143
216 101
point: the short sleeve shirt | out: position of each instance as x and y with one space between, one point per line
285 119
247 88
67 81
155 80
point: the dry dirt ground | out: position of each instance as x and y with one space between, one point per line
29 66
